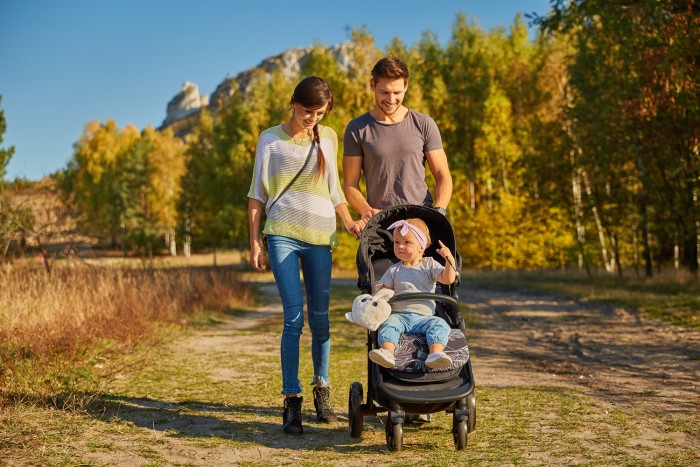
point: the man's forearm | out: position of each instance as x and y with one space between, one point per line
357 200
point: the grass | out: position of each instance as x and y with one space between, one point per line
674 298
165 399
62 331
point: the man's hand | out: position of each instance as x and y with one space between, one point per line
369 213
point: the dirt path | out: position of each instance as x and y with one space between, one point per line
185 406
613 354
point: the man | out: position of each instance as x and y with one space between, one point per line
391 144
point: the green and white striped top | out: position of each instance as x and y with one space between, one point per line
306 211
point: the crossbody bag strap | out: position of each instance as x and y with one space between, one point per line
291 182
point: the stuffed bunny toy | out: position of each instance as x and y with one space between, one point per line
369 311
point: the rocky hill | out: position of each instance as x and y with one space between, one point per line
184 109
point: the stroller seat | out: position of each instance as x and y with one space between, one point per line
412 350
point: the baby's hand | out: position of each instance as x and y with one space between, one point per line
444 251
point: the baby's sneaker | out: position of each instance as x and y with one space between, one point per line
382 357
438 360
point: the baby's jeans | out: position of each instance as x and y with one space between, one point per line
435 328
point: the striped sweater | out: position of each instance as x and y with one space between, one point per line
306 211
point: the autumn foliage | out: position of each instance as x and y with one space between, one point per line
576 149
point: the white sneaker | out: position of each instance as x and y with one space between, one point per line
438 360
383 358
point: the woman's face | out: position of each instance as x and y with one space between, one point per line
306 118
406 247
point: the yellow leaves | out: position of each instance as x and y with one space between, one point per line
517 233
109 163
167 165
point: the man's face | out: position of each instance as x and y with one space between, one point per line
388 94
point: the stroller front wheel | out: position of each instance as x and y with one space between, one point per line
459 432
394 435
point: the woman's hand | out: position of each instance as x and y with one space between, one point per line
355 228
257 257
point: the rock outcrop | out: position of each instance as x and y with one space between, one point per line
184 109
186 102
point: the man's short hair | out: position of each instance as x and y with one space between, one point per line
390 68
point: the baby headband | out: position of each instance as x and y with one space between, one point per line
405 227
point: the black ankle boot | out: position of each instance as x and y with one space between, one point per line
322 403
291 417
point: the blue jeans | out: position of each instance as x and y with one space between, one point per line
316 262
435 328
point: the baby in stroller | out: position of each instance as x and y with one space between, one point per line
410 386
415 273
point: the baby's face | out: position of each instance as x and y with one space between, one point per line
406 247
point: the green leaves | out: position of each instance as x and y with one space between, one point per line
579 147
125 185
5 153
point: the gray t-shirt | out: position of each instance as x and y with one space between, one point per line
410 279
393 157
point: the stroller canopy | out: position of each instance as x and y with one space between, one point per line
377 242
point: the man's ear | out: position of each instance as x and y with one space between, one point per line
372 84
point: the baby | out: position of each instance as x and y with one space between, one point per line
414 273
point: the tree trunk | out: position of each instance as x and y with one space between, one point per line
598 223
173 244
578 215
692 232
643 207
187 247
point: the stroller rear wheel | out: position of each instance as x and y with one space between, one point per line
355 415
394 435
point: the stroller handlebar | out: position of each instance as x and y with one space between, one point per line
425 296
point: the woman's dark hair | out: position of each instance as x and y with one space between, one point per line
390 68
313 92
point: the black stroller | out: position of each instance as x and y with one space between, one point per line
411 387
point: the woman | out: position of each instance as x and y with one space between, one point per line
296 180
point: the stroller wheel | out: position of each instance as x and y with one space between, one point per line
459 433
394 435
355 415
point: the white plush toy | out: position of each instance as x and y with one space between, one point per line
369 311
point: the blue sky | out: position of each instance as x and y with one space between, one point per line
64 63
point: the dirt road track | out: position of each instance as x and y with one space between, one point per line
613 354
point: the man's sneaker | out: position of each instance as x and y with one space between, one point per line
418 419
438 360
383 358
291 417
322 403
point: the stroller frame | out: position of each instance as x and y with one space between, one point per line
386 393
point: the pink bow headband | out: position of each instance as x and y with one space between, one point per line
405 227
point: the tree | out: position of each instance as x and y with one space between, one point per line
5 153
125 184
13 220
634 82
